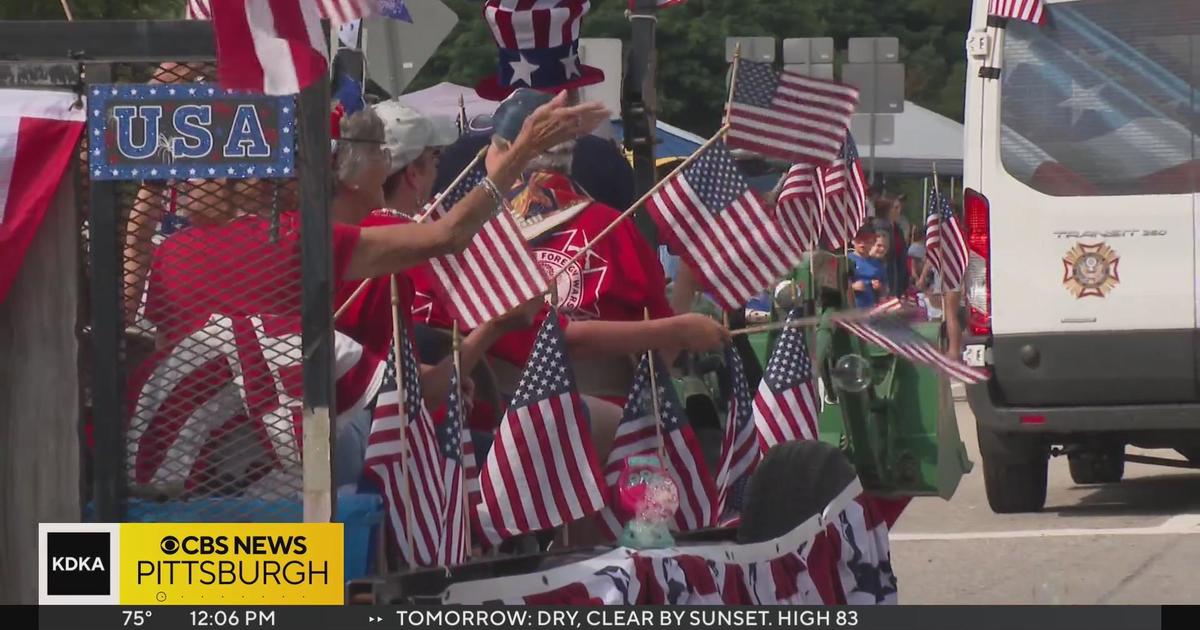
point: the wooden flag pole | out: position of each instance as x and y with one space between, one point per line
398 364
924 196
633 208
852 315
462 116
936 188
737 58
67 9
456 352
654 396
362 286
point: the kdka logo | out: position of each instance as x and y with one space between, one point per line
78 563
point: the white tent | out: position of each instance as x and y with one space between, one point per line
920 138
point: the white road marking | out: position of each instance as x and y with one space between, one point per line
1179 524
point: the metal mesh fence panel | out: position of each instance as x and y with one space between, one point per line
212 353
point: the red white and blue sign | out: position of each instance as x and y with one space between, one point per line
188 131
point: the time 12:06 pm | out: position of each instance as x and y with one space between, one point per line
221 618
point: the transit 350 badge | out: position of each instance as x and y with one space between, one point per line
188 131
1090 270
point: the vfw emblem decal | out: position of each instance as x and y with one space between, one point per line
1091 270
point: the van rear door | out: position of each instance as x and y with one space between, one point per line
1090 167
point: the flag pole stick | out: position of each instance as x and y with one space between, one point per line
362 286
462 116
952 183
633 208
654 396
67 9
398 364
924 196
936 188
737 58
852 315
456 352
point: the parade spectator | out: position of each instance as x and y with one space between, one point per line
889 211
868 272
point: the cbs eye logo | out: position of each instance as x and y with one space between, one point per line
169 545
193 545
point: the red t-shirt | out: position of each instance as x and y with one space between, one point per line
368 319
615 281
232 269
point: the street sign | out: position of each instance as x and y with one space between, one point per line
186 131
396 51
808 50
606 54
815 70
880 86
873 50
753 48
884 133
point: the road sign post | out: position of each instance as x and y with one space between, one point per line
874 67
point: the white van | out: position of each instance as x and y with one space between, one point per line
1083 176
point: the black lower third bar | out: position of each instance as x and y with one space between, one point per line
571 618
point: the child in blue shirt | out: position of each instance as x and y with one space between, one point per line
869 272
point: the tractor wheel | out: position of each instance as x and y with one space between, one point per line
792 483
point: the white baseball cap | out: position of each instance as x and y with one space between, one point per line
407 132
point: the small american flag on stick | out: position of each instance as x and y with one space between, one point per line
1027 10
845 189
945 244
455 543
410 482
787 403
788 115
892 331
542 470
495 273
639 433
710 215
741 450
801 206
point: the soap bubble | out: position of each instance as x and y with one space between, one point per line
852 373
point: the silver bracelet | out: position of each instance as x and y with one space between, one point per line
494 192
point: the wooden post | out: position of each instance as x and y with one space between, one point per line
39 397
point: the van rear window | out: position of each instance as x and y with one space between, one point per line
1104 99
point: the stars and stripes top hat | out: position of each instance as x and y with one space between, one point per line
538 43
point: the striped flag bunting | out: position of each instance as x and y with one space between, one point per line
1026 10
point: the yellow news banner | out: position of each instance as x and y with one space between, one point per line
235 564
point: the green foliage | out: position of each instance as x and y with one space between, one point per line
92 9
691 46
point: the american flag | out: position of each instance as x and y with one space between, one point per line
888 328
410 482
787 403
495 273
845 196
741 449
945 244
274 46
789 116
452 440
1027 10
801 205
541 471
638 434
710 215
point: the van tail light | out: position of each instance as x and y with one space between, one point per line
978 282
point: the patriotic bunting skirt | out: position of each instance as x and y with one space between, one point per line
840 556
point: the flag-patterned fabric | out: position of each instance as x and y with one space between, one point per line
741 449
639 434
800 207
38 134
454 544
541 471
198 10
232 374
1027 10
889 328
945 245
711 217
275 46
847 560
497 271
404 458
789 116
787 403
845 189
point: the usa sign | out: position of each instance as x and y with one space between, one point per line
188 131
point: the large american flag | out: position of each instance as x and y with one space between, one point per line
541 471
411 483
710 215
845 189
452 441
787 402
1027 10
889 328
495 273
789 116
638 434
945 244
741 450
274 46
801 205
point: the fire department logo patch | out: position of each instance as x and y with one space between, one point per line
1091 270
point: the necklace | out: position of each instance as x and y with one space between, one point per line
389 212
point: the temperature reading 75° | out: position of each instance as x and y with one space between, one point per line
136 617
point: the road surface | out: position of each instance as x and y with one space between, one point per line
1133 542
